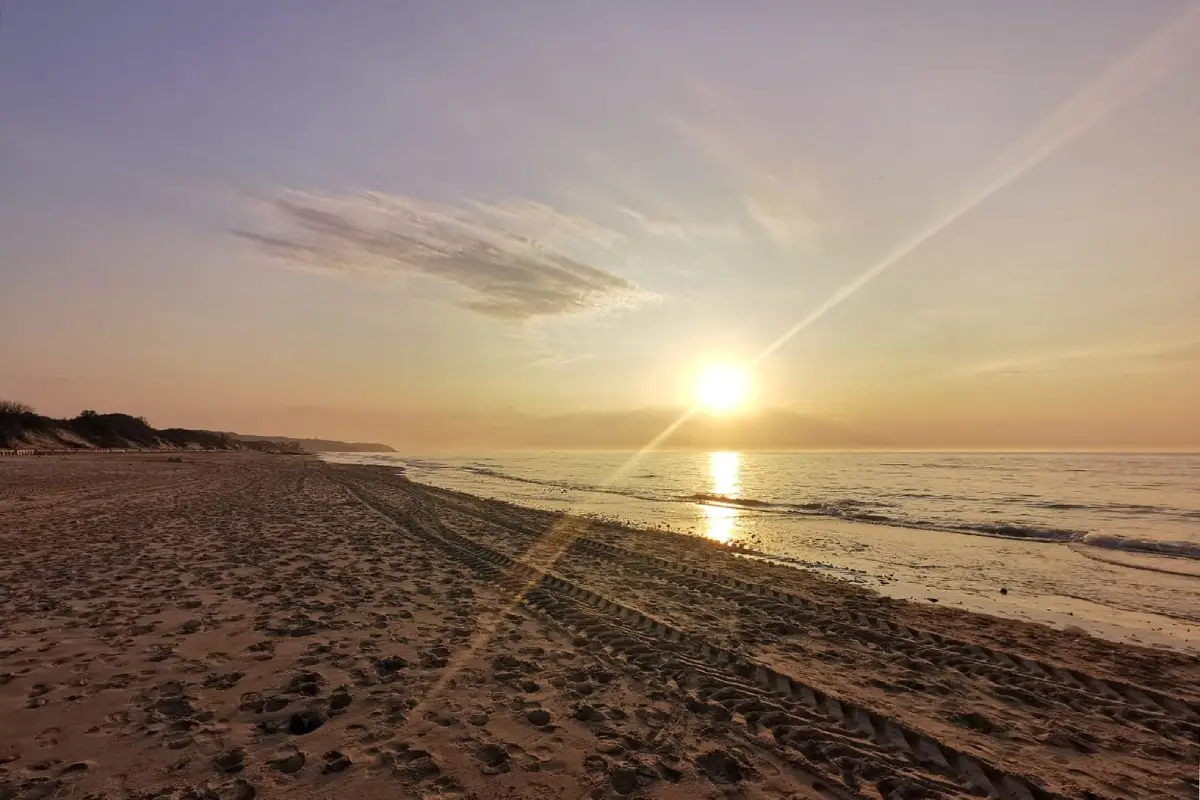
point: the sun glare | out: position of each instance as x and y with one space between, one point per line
721 389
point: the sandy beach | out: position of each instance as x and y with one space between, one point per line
243 625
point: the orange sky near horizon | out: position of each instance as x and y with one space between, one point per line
942 226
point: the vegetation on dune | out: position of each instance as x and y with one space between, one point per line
21 426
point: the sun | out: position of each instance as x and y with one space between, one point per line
721 389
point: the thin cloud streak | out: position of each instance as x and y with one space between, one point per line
1166 358
549 222
778 194
691 232
509 275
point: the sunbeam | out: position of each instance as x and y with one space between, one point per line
1126 79
1135 73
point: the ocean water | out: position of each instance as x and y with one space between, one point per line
1089 540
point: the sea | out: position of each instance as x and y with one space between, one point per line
1105 544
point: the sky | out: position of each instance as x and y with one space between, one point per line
469 225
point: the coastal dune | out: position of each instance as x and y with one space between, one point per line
240 625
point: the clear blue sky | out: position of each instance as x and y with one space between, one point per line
404 220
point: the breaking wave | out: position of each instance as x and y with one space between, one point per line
884 510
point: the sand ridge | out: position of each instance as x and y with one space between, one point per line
241 625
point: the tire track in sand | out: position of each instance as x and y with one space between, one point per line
1116 700
850 741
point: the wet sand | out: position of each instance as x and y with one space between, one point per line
241 625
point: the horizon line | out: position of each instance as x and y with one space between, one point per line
792 450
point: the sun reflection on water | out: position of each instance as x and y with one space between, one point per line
719 521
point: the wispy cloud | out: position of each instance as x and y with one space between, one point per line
549 223
778 193
509 258
1123 359
689 231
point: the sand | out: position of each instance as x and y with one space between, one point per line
241 625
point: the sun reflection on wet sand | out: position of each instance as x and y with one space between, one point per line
719 521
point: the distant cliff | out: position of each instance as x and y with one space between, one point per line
318 445
23 428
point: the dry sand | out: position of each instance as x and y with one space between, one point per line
241 625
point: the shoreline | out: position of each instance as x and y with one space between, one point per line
1112 623
247 625
1055 583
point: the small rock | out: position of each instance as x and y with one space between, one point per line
932 599
538 717
503 663
224 681
720 767
385 666
479 720
623 780
529 687
275 703
339 700
238 789
492 755
306 683
231 760
1003 590
253 702
303 722
443 718
191 626
335 761
289 763
586 713
602 675
669 772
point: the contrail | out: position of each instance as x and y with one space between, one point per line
1126 79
